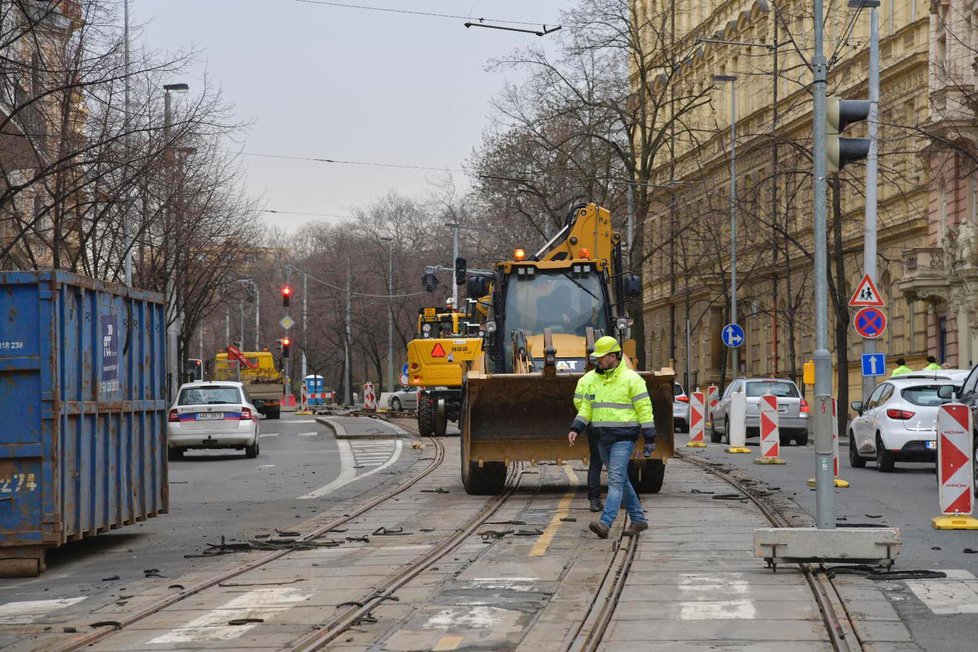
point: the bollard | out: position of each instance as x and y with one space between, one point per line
955 471
712 400
838 482
738 424
369 398
696 420
770 432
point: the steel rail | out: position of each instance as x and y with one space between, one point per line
838 622
117 626
589 633
323 635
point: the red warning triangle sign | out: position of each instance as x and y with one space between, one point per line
695 417
438 351
952 458
866 294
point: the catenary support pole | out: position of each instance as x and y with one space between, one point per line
349 334
869 234
733 220
822 414
305 285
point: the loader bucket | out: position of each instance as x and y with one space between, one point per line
510 417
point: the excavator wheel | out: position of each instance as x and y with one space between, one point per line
440 424
425 417
648 480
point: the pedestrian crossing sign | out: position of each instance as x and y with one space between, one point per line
866 295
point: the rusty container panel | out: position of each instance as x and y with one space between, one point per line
82 412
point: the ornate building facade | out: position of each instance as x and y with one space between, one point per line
749 60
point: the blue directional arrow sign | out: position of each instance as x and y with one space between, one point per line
874 364
732 335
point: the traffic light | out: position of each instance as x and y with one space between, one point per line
429 281
286 342
286 295
839 114
460 269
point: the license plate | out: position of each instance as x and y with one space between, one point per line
782 408
210 416
930 445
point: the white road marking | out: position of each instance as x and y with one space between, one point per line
307 434
302 421
265 466
269 434
347 471
479 616
212 626
29 611
955 594
726 585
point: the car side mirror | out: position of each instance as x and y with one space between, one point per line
857 406
946 392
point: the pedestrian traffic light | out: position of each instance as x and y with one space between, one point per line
286 295
429 281
460 269
840 114
286 342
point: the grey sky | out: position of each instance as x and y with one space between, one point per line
341 83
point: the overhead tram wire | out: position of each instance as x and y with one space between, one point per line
335 217
359 294
469 20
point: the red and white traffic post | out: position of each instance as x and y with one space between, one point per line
369 397
712 400
955 468
696 420
770 431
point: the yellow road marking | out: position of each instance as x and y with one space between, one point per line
543 542
447 643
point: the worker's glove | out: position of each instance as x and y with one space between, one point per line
647 452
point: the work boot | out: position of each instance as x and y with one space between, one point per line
597 505
635 527
600 529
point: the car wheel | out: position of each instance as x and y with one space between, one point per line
974 464
252 450
396 404
884 458
801 440
856 460
714 435
726 430
174 454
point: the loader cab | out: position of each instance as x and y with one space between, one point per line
567 299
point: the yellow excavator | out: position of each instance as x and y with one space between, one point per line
541 316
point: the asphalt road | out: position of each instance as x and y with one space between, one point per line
905 499
213 494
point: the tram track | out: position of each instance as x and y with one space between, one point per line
841 629
112 628
324 634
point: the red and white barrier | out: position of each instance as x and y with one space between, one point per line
955 468
696 420
712 401
770 431
369 397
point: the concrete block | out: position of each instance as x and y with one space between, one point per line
850 545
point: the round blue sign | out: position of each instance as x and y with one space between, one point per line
732 336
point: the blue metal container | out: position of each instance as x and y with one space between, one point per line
315 389
82 412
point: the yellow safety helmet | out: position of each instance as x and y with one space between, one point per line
605 345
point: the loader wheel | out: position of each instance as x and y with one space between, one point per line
425 421
648 480
440 422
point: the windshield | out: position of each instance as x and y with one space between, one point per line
209 396
558 300
924 396
780 388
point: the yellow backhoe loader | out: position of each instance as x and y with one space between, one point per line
543 314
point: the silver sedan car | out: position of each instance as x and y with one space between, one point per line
405 398
792 409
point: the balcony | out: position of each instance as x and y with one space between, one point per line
925 277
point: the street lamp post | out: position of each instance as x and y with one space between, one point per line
731 79
171 289
390 313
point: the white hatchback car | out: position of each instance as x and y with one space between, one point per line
899 421
212 415
680 408
404 398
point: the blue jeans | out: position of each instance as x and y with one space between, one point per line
615 455
594 466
